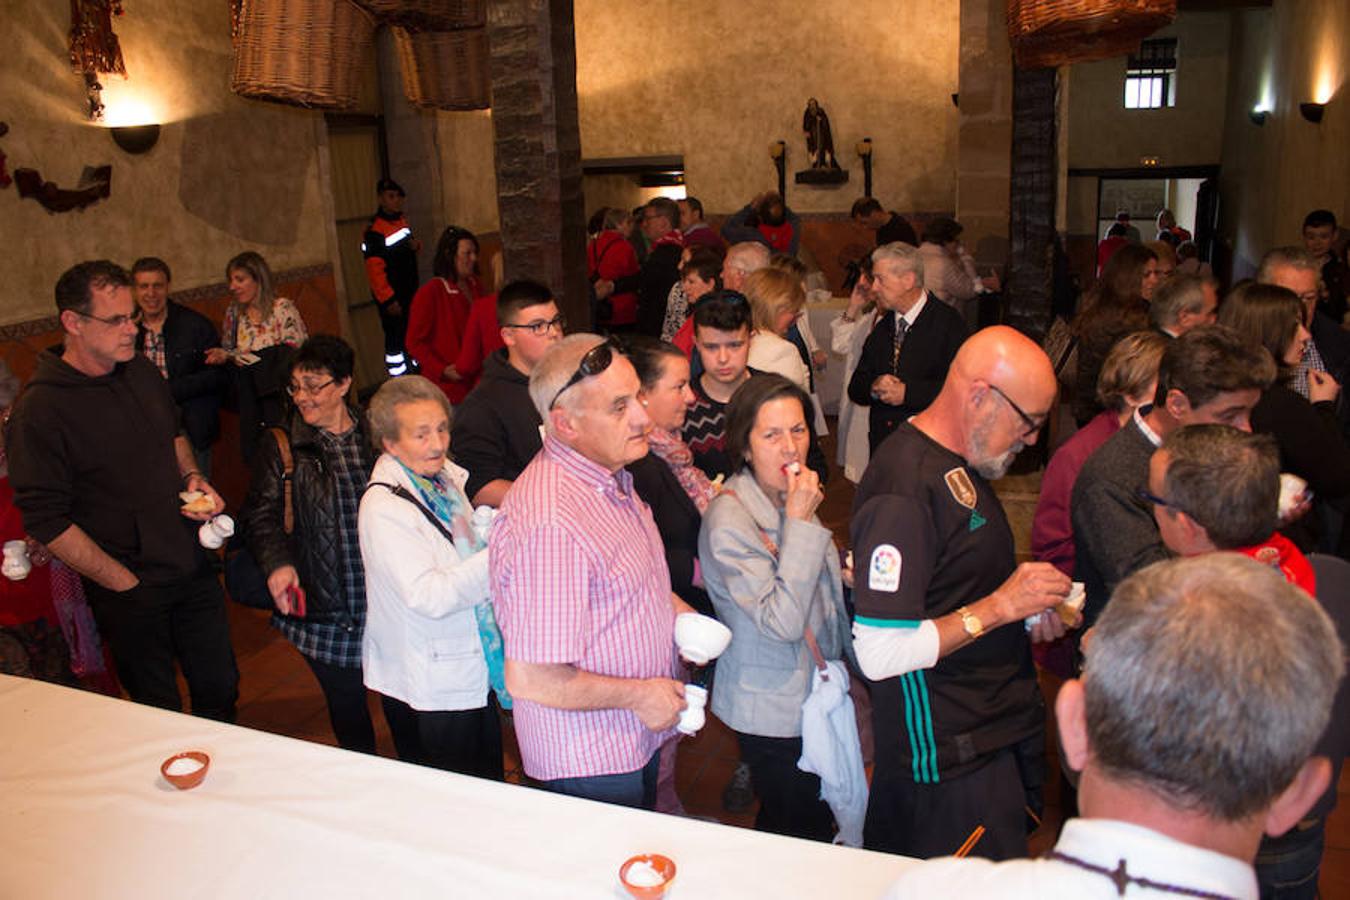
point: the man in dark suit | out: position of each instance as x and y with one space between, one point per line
904 360
176 339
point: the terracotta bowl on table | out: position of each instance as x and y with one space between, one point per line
662 864
191 779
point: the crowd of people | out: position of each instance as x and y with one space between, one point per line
516 529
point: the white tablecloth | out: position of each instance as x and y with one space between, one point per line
84 813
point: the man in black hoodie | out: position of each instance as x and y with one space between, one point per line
496 428
97 460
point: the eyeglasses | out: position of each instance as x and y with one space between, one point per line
596 360
309 390
116 321
1146 496
1032 425
541 327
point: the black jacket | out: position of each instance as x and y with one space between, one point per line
496 428
897 228
197 388
659 274
929 346
314 546
98 452
678 520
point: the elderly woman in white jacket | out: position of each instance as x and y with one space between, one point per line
431 647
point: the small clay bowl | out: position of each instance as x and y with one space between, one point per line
191 779
662 864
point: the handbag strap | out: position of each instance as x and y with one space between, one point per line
399 490
287 471
808 634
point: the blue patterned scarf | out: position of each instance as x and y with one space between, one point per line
452 507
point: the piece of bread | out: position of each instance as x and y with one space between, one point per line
197 502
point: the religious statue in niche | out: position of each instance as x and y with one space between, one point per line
824 168
819 142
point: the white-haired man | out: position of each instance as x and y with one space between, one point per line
1190 750
581 588
904 360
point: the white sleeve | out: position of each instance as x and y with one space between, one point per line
887 652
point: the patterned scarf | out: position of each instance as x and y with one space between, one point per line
680 458
452 507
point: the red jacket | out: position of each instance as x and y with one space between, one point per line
482 338
1278 552
30 599
611 257
436 326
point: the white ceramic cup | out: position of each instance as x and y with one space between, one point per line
16 565
693 717
215 532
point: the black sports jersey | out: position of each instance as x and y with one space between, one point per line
929 536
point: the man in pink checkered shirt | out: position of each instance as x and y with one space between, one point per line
581 589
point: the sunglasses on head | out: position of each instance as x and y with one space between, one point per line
596 360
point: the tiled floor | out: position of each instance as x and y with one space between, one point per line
278 694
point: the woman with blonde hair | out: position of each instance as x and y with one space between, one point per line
776 298
259 333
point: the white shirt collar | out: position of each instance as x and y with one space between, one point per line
913 314
1154 438
1155 856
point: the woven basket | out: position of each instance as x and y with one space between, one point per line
444 69
302 52
429 15
1048 33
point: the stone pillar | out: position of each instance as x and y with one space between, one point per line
538 148
984 138
1032 226
410 137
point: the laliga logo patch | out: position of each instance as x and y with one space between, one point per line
883 572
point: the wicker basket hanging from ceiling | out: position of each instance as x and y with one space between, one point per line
302 52
1049 33
429 15
445 69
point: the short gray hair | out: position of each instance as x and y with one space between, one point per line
557 367
383 411
748 256
906 256
1208 682
1293 257
1182 293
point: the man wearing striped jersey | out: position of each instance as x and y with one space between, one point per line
957 713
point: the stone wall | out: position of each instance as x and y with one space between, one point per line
717 82
985 139
227 174
1275 174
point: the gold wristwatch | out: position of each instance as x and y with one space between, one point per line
970 622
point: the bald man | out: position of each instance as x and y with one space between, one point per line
957 714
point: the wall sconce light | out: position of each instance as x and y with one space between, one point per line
777 149
864 149
135 138
1258 116
1312 111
